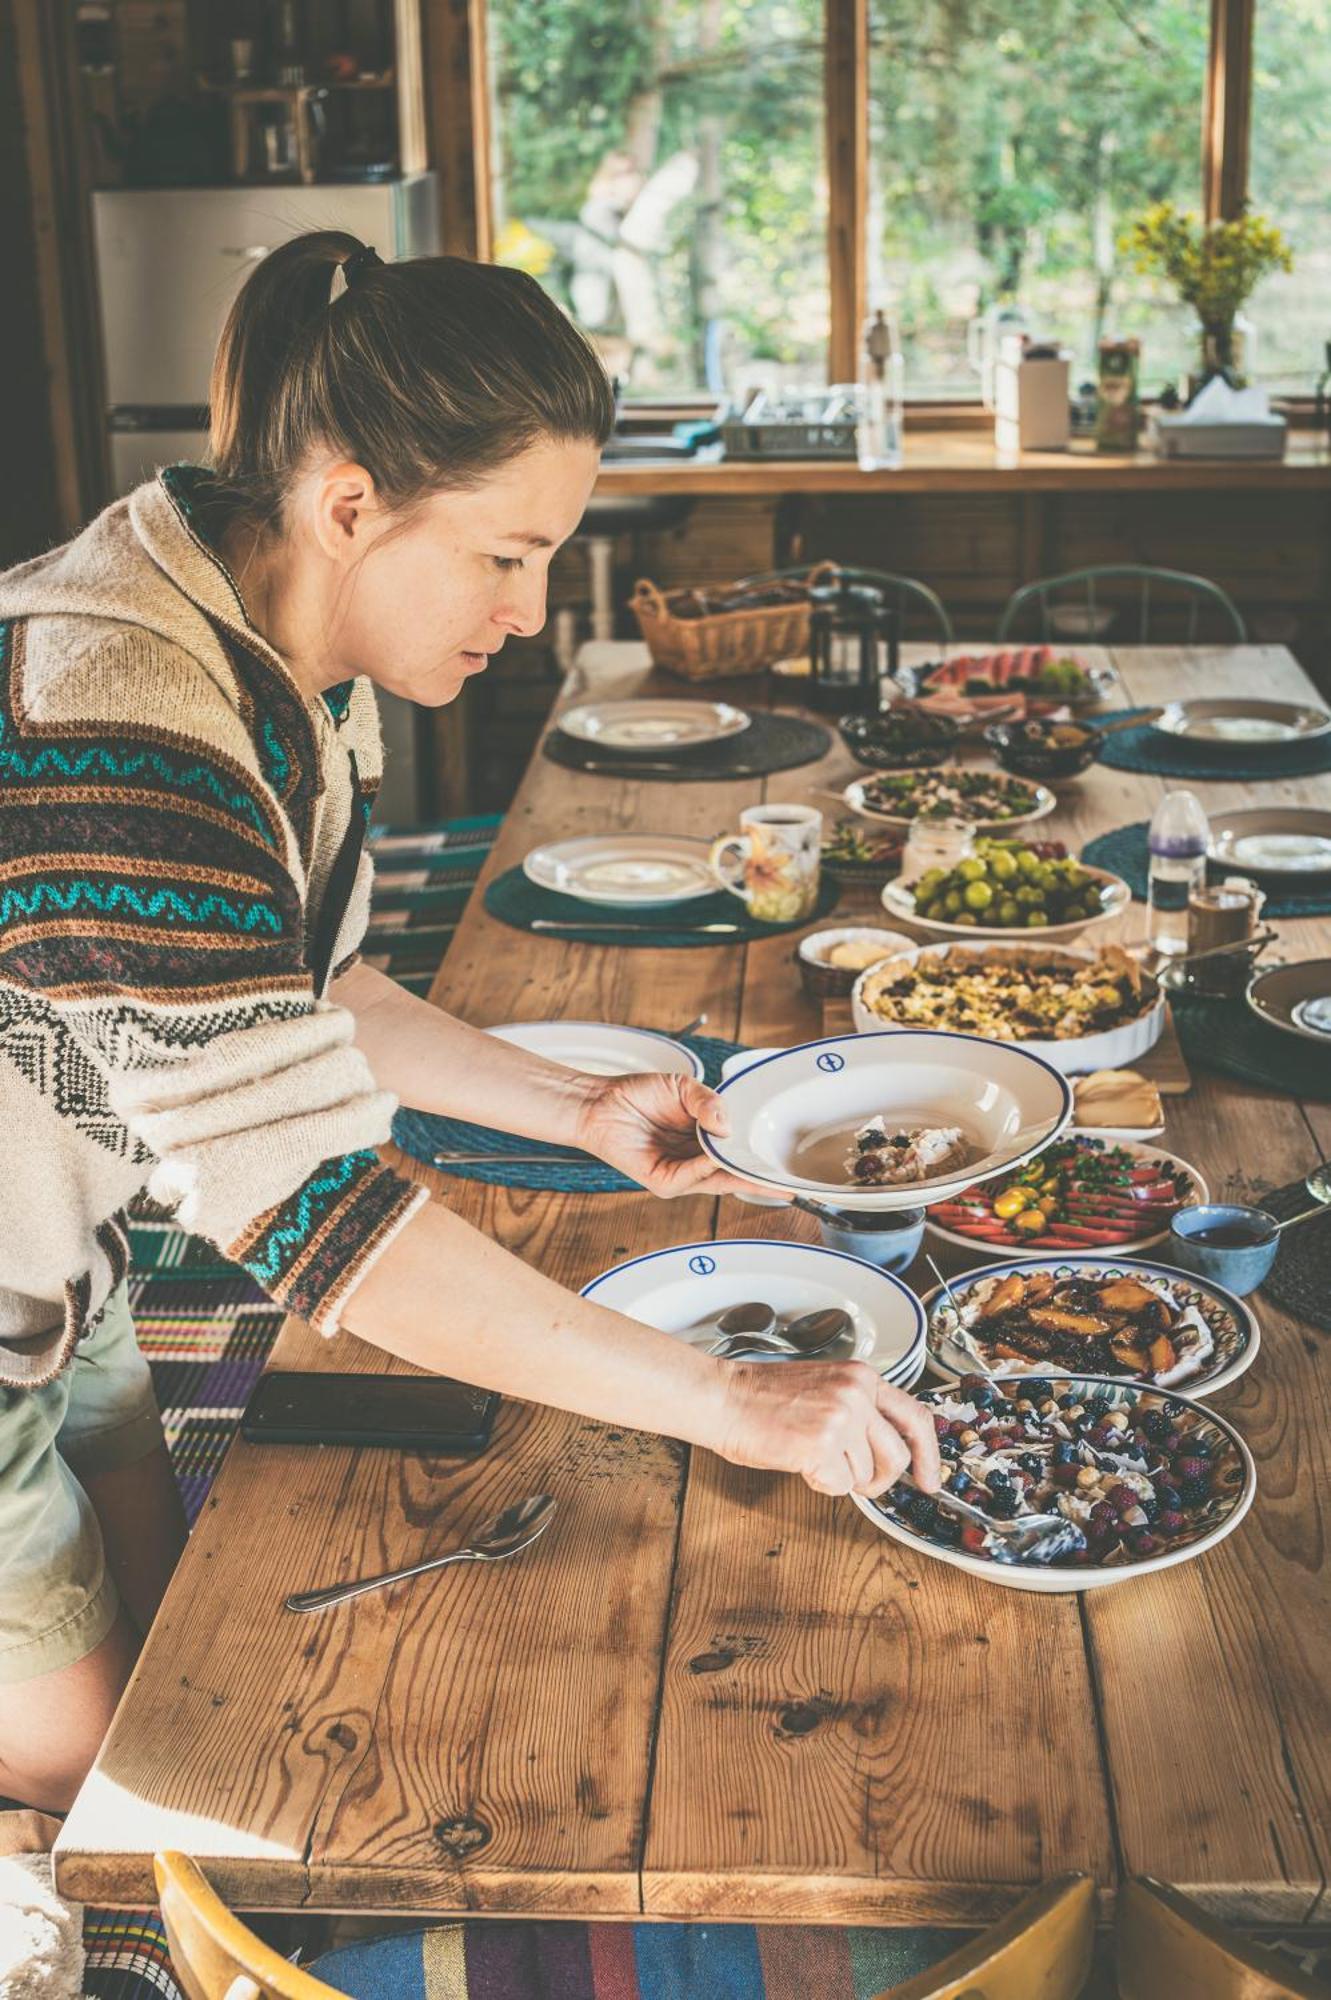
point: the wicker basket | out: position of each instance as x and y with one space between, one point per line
726 643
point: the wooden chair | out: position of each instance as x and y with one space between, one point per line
215 1956
1169 1949
906 594
1152 585
1040 1951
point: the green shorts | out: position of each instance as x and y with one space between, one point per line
57 1599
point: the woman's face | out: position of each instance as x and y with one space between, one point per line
420 603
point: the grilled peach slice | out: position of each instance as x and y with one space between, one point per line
1127 1295
1163 1355
1007 1293
1054 1319
1128 1355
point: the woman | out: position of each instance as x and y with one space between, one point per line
188 753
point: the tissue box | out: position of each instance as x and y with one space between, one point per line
1251 437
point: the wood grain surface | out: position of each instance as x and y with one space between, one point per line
708 1691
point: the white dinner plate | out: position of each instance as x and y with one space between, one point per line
1045 802
1115 896
600 1048
1273 840
628 726
1242 719
1295 998
793 1116
615 869
681 1291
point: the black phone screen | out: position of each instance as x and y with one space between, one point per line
411 1413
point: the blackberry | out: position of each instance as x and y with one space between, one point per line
1156 1425
870 1142
1004 1503
1174 1409
999 1482
922 1512
948 1448
1149 1507
1038 1387
1097 1405
1194 1492
1031 1462
1004 1408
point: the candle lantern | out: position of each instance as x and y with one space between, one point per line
851 628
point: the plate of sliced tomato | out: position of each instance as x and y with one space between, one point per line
1085 1192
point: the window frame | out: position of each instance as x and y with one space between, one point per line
458 106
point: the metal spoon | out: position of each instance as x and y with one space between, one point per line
752 1320
1033 1538
506 1535
1318 1184
811 1334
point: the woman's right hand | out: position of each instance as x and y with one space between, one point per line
836 1423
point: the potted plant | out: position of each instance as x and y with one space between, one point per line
1214 267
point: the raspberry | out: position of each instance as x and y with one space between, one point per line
1190 1468
1102 1519
1172 1444
970 1383
1143 1543
1121 1498
1066 1475
1170 1521
973 1538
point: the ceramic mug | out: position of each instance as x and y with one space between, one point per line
773 863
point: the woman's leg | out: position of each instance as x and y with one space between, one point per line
143 1529
52 1727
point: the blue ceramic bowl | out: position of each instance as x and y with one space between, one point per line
889 1239
1239 1267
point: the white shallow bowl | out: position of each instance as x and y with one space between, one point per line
1058 1582
899 902
681 1291
1112 1048
818 946
600 1048
792 1116
629 727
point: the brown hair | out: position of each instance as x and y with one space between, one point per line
430 373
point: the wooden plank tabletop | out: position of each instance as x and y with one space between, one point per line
707 1691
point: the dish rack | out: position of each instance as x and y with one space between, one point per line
817 425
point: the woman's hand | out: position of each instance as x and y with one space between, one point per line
835 1423
644 1125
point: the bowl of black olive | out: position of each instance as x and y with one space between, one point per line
1044 748
900 739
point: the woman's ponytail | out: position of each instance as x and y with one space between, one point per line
430 373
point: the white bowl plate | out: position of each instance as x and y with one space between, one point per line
899 902
600 1048
644 726
793 1117
613 870
681 1291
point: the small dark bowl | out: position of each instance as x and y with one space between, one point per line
1027 749
899 739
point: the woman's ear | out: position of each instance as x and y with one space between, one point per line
347 513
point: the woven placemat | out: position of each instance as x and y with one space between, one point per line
1300 1278
1124 851
422 1135
515 900
770 743
1163 756
1226 1035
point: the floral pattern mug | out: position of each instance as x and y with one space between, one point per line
774 863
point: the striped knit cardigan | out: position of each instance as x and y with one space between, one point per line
171 809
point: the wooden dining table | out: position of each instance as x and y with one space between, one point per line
710 1692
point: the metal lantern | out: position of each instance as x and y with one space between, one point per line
850 621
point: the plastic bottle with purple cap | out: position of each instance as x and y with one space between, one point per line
1178 842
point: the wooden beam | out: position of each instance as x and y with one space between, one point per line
1227 115
457 100
847 105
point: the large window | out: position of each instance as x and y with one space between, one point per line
665 168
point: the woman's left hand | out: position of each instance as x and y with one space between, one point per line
644 1125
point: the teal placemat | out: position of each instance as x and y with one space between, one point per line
515 900
1124 851
1226 1035
422 1135
1162 756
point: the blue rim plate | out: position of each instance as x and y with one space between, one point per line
772 1107
1234 1326
676 1289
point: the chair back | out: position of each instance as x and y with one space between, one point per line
1040 1951
906 594
1153 593
215 1956
1170 1949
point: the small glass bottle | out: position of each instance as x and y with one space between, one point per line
1177 843
879 425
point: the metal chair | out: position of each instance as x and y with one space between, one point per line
1199 592
1169 1949
906 593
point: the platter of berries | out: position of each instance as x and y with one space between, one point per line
1137 1479
1123 1319
1083 1193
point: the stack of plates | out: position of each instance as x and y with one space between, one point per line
681 1291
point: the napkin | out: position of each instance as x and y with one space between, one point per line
1218 403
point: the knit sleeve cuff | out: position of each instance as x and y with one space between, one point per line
311 1251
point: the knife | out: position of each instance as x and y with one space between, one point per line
690 930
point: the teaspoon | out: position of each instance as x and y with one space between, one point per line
506 1535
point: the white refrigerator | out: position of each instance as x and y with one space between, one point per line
169 263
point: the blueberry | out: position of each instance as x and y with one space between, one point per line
1068 1402
984 1399
1066 1453
1167 1498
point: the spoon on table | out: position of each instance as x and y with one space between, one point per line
506 1535
809 1335
1318 1184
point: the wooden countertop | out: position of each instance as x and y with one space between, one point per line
710 1692
965 461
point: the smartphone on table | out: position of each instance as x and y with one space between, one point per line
398 1412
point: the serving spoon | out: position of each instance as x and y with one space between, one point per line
511 1531
1033 1538
809 1335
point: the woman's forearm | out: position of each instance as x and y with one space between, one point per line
434 1062
448 1299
